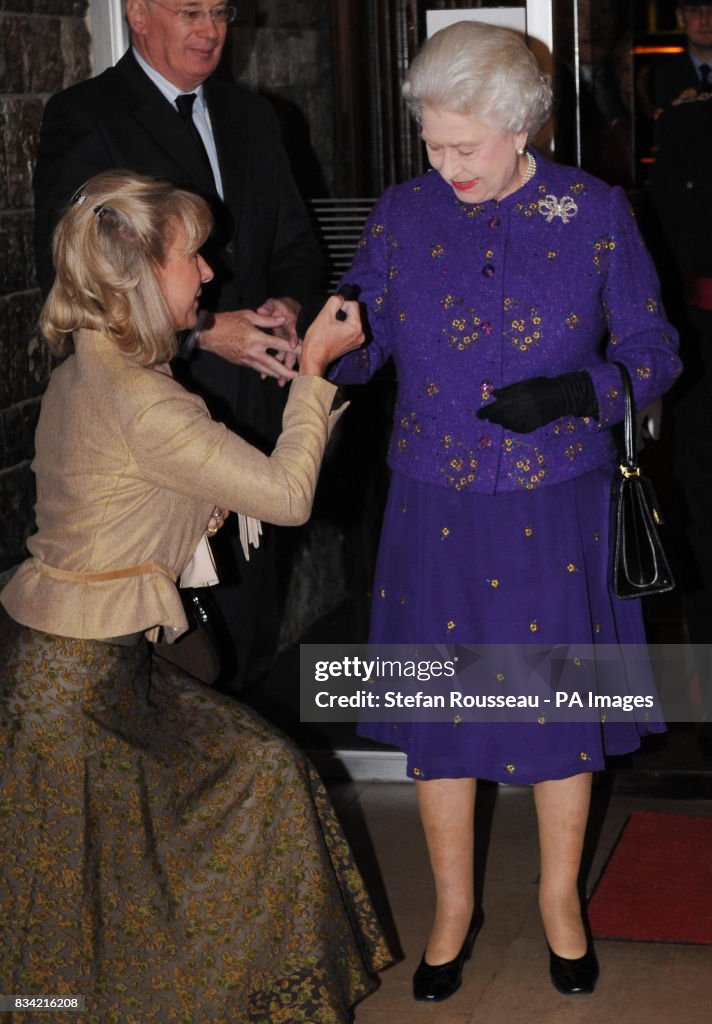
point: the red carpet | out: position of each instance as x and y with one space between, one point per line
657 884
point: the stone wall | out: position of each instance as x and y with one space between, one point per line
44 46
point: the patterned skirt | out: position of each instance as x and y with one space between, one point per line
512 569
164 853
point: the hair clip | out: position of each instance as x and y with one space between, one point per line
78 198
100 210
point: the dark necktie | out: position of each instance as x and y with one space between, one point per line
705 80
184 103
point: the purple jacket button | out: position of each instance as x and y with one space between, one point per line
488 270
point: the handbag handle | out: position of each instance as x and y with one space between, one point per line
630 467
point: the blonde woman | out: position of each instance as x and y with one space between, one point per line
165 854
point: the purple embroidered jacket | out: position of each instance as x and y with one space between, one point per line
467 298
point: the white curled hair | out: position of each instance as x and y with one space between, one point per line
483 71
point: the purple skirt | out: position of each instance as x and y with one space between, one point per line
514 568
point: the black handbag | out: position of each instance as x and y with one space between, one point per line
640 566
196 651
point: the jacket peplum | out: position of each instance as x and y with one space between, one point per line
129 467
466 298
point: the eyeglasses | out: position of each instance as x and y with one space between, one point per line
196 15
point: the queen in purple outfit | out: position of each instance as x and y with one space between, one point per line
505 288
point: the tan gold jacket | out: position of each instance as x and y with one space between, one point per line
129 467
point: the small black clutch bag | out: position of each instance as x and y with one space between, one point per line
640 566
196 651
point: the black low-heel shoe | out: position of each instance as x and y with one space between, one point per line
574 977
438 982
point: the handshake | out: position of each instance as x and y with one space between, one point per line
270 339
328 328
314 305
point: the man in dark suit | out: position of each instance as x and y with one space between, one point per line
263 251
681 190
679 76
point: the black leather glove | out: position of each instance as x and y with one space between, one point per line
528 404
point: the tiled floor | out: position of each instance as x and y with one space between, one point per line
506 982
